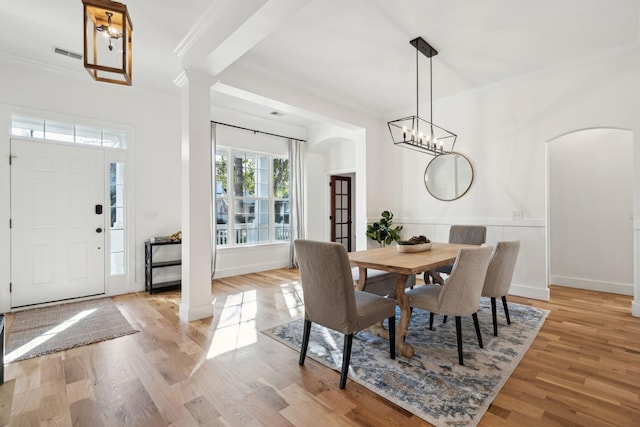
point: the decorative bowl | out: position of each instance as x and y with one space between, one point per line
414 248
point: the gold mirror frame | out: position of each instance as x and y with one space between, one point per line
455 178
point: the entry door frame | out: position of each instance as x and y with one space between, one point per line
115 285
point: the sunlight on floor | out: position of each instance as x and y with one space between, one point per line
292 294
237 327
46 336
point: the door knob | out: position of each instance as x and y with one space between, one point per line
98 230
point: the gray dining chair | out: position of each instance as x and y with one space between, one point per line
330 299
460 294
498 279
467 234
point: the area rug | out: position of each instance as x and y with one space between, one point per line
46 330
431 385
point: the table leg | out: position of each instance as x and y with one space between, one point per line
402 330
362 278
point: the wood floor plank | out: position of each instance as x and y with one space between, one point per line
583 369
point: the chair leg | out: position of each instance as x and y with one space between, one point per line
346 356
506 310
305 341
437 278
392 337
459 339
477 325
495 316
444 319
431 321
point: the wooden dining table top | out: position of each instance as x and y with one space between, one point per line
389 259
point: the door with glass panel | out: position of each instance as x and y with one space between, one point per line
57 222
341 210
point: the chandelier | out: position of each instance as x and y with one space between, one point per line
415 132
107 41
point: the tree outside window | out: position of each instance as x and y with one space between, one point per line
256 210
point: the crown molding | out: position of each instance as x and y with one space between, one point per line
207 19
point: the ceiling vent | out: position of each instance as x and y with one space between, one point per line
276 113
67 53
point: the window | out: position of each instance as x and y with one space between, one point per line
116 218
252 198
54 130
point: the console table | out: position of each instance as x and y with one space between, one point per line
150 265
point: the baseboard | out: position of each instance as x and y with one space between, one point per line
188 314
529 292
248 269
593 285
635 309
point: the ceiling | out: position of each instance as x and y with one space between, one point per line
351 52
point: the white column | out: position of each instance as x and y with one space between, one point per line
196 196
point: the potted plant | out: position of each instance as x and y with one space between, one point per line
382 231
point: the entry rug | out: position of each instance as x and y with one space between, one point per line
46 330
431 385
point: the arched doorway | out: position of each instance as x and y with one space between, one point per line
590 210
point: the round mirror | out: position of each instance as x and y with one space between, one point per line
448 176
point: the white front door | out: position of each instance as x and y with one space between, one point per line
57 222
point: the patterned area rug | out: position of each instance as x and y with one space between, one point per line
431 385
46 330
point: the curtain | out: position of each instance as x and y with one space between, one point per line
212 221
296 177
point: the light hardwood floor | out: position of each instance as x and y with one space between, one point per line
582 369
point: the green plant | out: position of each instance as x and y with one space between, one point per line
382 231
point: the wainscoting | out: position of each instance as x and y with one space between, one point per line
529 278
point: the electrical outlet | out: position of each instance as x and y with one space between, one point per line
516 215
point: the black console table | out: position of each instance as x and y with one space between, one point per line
150 265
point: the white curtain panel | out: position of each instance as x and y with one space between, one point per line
296 198
212 210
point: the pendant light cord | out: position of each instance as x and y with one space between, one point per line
417 86
431 90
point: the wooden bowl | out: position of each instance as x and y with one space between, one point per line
414 248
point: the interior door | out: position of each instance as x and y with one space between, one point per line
341 210
57 222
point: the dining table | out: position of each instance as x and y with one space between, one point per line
404 264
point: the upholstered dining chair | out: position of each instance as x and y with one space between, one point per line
330 299
460 294
498 279
467 234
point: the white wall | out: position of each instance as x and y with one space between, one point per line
503 130
591 210
155 146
